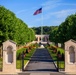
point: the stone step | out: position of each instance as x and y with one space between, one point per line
23 73
8 74
42 73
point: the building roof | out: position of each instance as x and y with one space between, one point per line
10 41
71 40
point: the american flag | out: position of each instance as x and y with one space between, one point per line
38 11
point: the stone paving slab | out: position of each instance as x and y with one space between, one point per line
24 73
8 74
39 73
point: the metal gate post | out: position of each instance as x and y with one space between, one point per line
57 63
22 61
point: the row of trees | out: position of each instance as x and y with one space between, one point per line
46 29
65 31
14 28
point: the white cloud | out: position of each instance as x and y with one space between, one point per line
21 11
69 4
50 4
25 10
60 14
65 13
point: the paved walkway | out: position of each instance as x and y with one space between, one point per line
41 61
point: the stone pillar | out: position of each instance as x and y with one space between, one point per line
38 39
45 39
9 57
70 56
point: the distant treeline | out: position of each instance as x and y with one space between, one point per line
46 29
65 31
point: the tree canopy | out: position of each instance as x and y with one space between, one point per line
46 29
65 31
14 28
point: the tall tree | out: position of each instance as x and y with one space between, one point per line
13 28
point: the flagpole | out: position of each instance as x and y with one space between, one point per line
38 11
41 25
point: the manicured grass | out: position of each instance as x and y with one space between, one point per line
1 64
54 57
0 59
26 58
61 64
19 63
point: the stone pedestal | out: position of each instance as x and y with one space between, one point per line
70 56
9 57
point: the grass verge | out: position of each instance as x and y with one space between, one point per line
1 64
26 58
54 57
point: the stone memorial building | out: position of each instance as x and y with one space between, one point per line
42 38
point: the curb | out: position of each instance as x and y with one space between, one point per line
26 64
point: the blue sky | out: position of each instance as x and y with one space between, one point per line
54 11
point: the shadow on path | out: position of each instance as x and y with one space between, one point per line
41 61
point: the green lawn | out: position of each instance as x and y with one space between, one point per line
1 63
54 57
26 59
61 64
19 63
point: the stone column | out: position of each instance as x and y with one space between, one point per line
38 39
9 57
70 56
